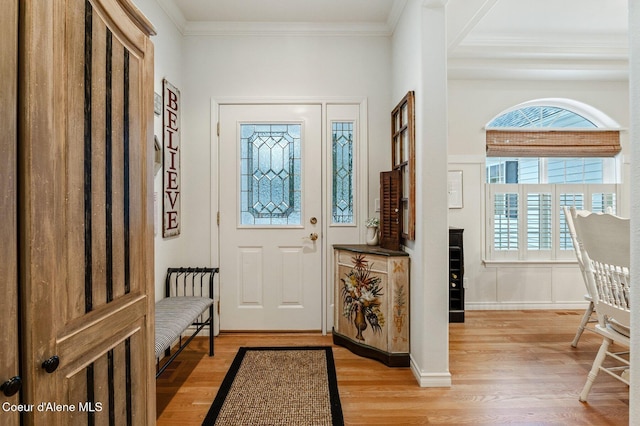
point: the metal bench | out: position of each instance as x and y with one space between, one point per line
188 302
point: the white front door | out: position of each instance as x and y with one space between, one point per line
270 217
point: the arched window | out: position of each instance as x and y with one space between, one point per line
541 116
581 112
542 155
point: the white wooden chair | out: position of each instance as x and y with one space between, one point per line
604 240
589 316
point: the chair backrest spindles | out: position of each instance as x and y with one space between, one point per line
604 241
570 214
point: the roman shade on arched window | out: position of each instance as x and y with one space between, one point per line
552 143
540 130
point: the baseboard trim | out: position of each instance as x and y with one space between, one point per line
514 306
430 380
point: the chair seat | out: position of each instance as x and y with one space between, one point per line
618 328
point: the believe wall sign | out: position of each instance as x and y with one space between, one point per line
171 160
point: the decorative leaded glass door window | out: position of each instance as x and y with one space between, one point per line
342 172
270 176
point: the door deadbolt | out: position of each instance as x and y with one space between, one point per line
313 220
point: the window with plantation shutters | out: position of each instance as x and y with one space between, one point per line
540 158
390 209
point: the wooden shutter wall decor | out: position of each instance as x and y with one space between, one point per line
553 143
390 209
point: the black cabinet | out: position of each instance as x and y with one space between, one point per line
456 275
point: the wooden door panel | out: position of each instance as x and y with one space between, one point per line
75 51
104 390
9 367
95 162
99 331
88 232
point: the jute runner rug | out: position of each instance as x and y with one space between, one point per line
279 386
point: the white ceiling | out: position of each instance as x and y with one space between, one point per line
484 36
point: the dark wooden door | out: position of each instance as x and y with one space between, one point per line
9 366
86 216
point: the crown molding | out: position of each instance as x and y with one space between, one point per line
459 34
395 14
538 52
216 28
537 69
548 41
434 4
198 28
174 13
546 56
527 58
541 57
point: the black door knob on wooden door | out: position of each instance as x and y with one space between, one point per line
51 364
11 386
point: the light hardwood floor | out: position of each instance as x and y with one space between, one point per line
508 367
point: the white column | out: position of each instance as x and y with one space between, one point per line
431 194
634 126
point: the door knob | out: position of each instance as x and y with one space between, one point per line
11 386
313 236
51 364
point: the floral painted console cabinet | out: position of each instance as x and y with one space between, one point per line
371 316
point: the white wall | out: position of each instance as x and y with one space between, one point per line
206 68
168 64
263 68
472 104
272 68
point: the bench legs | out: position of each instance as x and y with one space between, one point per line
210 330
181 347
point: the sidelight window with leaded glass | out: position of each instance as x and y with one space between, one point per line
342 168
271 174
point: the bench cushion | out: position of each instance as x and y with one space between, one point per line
173 316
